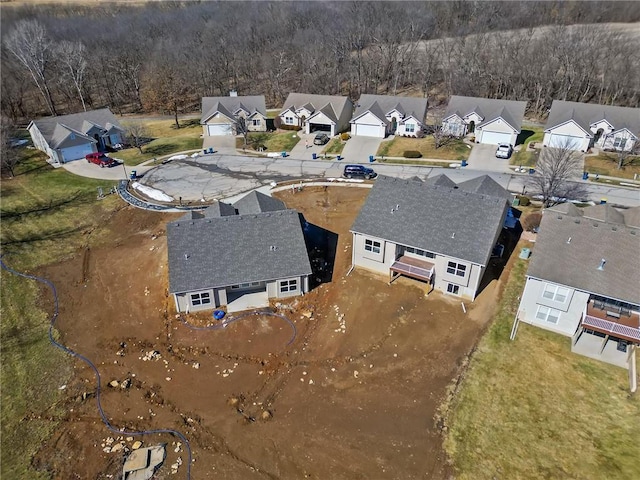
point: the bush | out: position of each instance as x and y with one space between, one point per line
411 154
524 201
531 221
345 136
295 128
260 147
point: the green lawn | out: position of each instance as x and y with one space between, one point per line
454 150
167 139
46 216
525 158
335 146
532 409
275 142
607 164
530 134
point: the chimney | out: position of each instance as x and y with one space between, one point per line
233 93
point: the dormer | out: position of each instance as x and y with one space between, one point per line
603 125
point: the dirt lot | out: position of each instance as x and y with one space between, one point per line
353 396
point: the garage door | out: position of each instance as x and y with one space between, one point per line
319 127
494 138
565 141
365 130
75 153
219 129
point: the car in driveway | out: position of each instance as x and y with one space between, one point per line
100 159
504 150
321 139
358 171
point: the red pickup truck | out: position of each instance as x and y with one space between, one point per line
100 159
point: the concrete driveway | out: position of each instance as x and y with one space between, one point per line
305 148
358 149
483 158
83 168
223 144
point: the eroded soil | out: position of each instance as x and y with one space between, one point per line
353 396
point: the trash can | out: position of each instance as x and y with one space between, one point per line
205 151
133 175
464 163
603 201
525 253
314 156
284 154
585 175
371 159
339 158
532 171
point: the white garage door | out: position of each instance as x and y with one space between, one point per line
76 153
494 138
219 129
565 141
365 130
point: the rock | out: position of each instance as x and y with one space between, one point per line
129 439
196 365
136 445
114 383
355 374
307 314
126 383
107 449
117 447
266 415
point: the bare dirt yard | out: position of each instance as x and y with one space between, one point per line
353 396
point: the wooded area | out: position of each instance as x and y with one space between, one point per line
164 56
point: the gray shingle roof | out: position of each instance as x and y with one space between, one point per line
256 202
485 185
632 217
317 102
429 216
603 213
575 263
584 114
56 130
406 105
229 105
216 209
441 180
511 111
218 252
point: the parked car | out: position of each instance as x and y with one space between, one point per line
321 139
358 171
504 150
100 159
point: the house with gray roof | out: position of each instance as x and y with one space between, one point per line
238 256
220 115
583 280
492 121
317 113
581 126
436 232
382 115
70 137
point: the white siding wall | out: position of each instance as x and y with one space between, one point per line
570 129
371 261
571 309
610 141
468 284
402 128
454 126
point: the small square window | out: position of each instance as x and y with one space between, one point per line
256 122
288 285
547 314
288 120
409 128
203 298
453 289
458 269
372 246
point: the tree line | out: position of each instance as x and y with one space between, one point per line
165 56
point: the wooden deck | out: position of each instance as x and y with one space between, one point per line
625 327
413 267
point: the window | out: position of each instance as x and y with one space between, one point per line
422 253
458 269
547 314
555 293
288 120
288 285
372 246
245 285
203 298
409 128
619 142
256 122
453 289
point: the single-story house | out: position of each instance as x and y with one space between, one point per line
436 231
70 137
220 115
584 280
580 126
382 115
238 256
317 113
492 121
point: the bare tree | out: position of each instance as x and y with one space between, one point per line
626 157
242 128
137 134
71 56
29 42
556 175
8 155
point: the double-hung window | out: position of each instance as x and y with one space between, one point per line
619 142
288 120
547 314
409 127
202 298
289 285
372 246
555 293
256 122
458 269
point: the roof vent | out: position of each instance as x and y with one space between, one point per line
601 266
577 220
453 235
273 248
568 240
186 256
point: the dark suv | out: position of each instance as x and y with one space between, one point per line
358 171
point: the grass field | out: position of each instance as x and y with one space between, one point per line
532 409
528 135
607 164
46 216
275 142
525 158
335 146
455 150
167 140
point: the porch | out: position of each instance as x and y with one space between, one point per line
602 347
411 267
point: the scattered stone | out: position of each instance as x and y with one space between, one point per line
107 449
168 379
109 440
117 447
62 387
307 314
233 401
395 354
151 355
355 373
126 383
310 382
177 449
196 365
266 415
114 383
129 439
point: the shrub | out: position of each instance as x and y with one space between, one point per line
531 221
295 128
524 201
260 147
345 136
411 154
